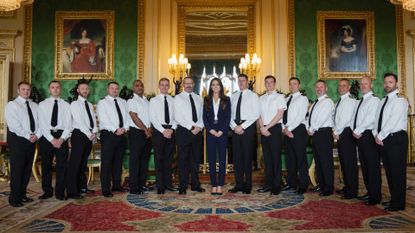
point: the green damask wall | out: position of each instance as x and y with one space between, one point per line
306 39
125 42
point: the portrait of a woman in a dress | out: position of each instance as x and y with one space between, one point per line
84 50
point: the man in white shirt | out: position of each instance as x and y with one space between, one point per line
55 123
320 123
244 114
363 124
139 139
84 134
295 139
188 114
23 131
391 136
162 119
346 144
113 124
272 106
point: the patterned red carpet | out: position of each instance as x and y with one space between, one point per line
201 212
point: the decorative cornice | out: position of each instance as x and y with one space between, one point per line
27 48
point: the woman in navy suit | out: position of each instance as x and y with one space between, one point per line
216 117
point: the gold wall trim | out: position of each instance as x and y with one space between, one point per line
400 49
27 48
291 38
140 39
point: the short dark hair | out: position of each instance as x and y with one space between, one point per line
295 78
321 81
138 80
164 79
112 82
188 77
54 81
345 79
270 77
243 76
24 83
391 74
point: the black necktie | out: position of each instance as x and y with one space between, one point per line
335 110
54 120
381 114
121 122
285 116
88 111
357 111
238 109
166 111
311 112
194 114
31 119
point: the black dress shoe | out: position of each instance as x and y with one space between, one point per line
347 197
72 196
275 192
147 188
234 190
315 189
87 191
371 202
263 190
247 191
136 192
386 203
182 191
107 194
340 191
26 199
60 197
15 204
171 188
363 198
198 189
392 208
45 196
301 191
119 189
287 188
325 194
160 191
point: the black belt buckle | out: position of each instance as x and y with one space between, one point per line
56 133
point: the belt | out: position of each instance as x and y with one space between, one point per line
166 126
239 123
397 132
56 133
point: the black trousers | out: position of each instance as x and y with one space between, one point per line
77 164
370 163
112 152
189 150
296 158
323 157
163 155
242 152
140 147
394 153
271 149
348 160
47 151
22 152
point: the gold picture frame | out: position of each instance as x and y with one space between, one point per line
84 44
346 44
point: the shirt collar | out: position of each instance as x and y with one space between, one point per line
272 93
322 97
296 94
370 93
345 95
80 98
110 98
53 99
135 95
21 99
393 93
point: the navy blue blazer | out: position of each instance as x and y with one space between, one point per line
224 117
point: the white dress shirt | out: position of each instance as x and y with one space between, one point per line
80 119
367 113
64 118
297 111
156 110
269 106
17 118
249 108
139 105
344 114
322 114
183 110
108 116
215 108
395 115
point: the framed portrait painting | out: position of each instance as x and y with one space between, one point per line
84 44
345 44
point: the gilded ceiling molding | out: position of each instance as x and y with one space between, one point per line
400 48
140 39
291 38
27 48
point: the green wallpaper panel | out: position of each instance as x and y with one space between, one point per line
125 42
306 39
